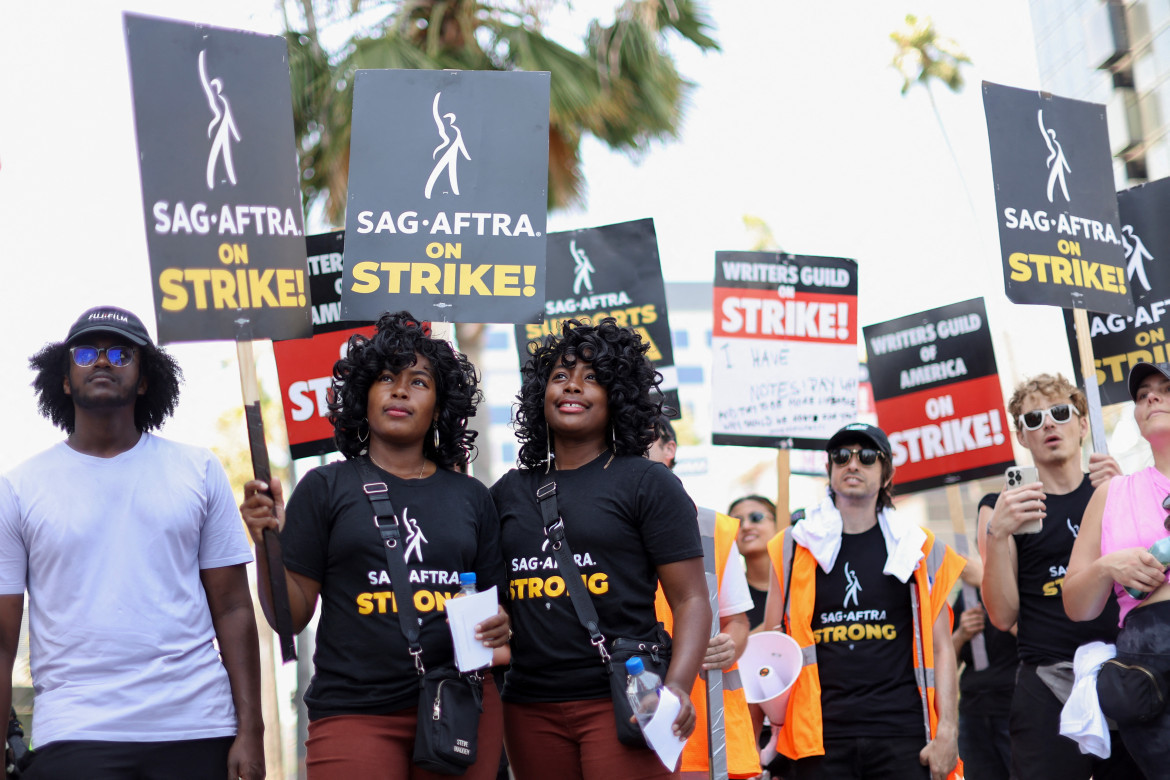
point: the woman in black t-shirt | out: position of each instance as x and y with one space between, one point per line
401 400
585 410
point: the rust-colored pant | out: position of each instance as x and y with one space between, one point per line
573 740
379 747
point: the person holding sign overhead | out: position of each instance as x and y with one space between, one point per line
401 400
864 594
131 549
1024 573
585 422
1114 569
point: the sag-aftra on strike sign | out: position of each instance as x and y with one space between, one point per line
448 182
1055 201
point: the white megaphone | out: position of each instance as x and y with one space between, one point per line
769 666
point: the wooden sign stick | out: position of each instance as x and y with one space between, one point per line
1089 374
955 503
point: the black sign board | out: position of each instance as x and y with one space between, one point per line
936 389
1121 341
220 187
611 271
448 178
1058 226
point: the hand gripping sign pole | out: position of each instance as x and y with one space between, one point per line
1089 373
269 546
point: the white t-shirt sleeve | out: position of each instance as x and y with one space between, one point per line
222 541
734 596
13 556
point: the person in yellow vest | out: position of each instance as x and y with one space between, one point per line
725 648
867 603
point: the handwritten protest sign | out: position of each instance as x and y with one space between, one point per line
447 195
611 271
785 349
938 397
1121 341
1058 226
220 187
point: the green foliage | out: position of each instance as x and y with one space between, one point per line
924 56
622 86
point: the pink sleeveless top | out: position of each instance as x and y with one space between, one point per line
1133 518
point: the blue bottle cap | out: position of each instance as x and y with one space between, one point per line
634 666
466 578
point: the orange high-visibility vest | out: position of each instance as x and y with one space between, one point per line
743 759
802 732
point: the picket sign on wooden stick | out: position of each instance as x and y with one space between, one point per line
783 475
1089 374
958 522
269 546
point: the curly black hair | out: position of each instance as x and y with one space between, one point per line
618 358
398 338
160 370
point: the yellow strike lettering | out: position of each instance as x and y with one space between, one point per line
261 284
554 586
394 272
170 281
286 286
1090 274
623 319
365 277
223 289
507 281
1076 265
469 280
365 603
242 286
1041 263
653 353
199 278
424 277
449 278
1021 271
649 314
1062 270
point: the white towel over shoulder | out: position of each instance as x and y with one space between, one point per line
820 533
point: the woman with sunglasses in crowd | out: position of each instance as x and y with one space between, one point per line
400 405
757 525
1125 517
585 420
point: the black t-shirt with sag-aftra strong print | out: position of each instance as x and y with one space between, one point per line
864 634
362 664
622 519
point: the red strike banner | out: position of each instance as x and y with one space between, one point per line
799 316
955 428
305 367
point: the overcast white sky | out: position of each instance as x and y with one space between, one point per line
799 121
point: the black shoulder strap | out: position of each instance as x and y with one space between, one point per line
391 532
554 529
787 556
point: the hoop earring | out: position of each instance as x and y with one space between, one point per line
548 453
613 437
366 438
436 427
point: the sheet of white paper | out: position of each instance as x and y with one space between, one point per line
463 614
659 734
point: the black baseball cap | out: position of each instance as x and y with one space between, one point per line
1139 372
109 319
860 431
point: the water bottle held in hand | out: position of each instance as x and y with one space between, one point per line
642 688
466 584
1160 550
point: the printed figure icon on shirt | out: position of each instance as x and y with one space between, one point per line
852 587
1072 529
414 537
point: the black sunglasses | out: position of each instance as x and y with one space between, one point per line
119 357
866 456
755 518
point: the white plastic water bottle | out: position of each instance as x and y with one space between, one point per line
466 584
642 688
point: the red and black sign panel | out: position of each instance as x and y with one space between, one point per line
1054 195
938 398
305 366
1120 341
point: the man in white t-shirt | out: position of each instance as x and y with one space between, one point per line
133 555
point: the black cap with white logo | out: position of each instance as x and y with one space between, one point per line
860 431
109 319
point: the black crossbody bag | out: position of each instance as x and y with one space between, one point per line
655 653
449 703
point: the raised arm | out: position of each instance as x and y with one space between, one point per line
1001 585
